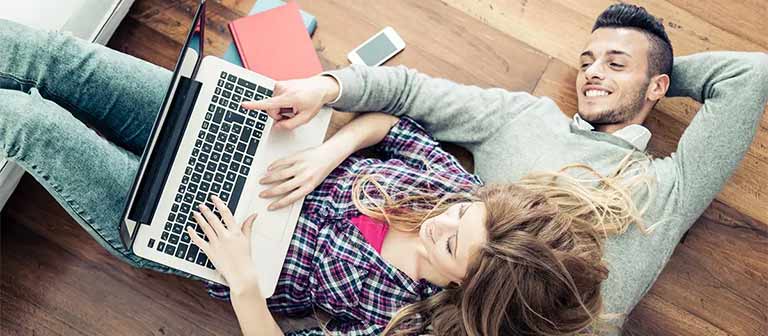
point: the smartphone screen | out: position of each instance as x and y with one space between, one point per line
376 50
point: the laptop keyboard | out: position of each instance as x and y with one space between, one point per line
219 164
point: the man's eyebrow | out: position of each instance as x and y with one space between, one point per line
610 52
619 52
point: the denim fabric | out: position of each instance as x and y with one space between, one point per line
51 86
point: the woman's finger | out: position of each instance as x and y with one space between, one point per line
279 175
207 229
199 241
248 225
212 220
286 161
282 188
226 214
288 200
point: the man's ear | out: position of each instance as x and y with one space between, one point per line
658 86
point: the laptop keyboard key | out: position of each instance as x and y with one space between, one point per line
201 259
235 197
192 253
246 84
252 147
181 251
170 249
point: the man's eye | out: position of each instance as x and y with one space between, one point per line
617 65
584 65
448 245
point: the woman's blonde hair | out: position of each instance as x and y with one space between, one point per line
541 269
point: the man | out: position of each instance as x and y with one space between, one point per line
626 67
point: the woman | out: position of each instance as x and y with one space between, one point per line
409 243
476 248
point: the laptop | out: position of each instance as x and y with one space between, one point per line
203 143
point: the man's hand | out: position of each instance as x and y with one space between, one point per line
295 102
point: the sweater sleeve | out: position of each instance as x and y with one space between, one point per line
733 87
462 114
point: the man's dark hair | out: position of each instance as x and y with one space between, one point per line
623 15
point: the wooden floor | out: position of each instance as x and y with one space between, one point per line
56 280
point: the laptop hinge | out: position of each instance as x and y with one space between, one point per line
161 161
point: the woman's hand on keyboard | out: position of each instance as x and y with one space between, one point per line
295 102
229 244
297 175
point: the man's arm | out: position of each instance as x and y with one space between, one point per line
462 114
733 87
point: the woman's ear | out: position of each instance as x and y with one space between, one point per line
658 86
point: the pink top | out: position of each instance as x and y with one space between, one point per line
373 230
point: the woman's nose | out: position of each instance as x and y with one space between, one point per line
445 226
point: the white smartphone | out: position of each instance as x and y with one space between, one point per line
377 49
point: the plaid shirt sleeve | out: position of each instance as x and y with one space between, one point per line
407 141
341 328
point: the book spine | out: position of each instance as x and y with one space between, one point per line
236 39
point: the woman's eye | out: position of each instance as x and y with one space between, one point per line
584 65
463 209
448 245
617 65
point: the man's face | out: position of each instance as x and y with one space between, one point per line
613 76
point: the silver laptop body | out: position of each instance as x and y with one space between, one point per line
203 143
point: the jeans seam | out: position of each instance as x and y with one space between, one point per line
78 209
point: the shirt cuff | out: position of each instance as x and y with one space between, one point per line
341 87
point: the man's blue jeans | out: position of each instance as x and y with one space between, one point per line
51 86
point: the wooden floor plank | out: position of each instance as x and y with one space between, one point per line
745 18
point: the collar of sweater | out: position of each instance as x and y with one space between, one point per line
637 135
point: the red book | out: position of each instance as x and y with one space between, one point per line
275 44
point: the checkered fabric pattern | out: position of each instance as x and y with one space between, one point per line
331 267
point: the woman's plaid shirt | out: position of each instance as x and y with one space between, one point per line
331 267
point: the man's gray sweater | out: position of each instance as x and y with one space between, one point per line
513 133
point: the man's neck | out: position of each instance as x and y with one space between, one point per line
610 128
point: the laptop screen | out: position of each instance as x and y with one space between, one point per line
148 182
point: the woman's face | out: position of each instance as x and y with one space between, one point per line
451 237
